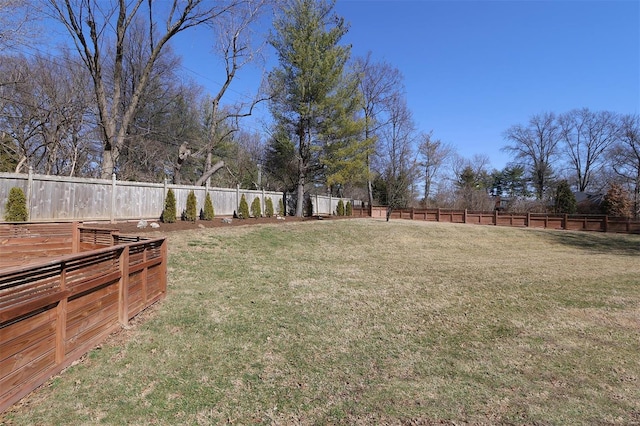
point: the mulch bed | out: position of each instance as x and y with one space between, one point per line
131 227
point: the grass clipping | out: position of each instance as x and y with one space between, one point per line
368 322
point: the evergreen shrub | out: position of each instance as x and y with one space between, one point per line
268 207
243 209
256 209
208 212
348 210
16 207
169 212
340 208
191 212
281 207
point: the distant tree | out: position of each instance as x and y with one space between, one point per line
169 212
208 212
256 209
565 200
586 136
433 153
16 208
191 212
616 201
243 209
535 146
625 158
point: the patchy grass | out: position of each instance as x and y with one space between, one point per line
368 322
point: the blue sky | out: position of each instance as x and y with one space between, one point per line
474 68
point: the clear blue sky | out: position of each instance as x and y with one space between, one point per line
474 68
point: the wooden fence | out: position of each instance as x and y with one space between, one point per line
53 310
601 223
58 198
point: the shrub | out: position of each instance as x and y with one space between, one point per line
616 202
348 210
281 207
268 207
565 201
208 212
243 209
16 207
191 212
340 208
169 212
256 209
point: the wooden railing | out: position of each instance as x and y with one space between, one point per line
52 311
601 223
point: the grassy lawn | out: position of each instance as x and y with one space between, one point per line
368 322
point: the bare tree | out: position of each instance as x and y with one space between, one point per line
433 154
535 146
587 135
625 157
378 82
99 31
16 20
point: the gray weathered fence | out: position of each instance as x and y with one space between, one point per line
58 198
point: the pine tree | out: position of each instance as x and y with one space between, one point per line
169 212
192 208
208 212
313 102
16 207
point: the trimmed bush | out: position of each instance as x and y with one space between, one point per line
281 207
256 209
208 212
191 213
268 207
243 209
348 210
169 212
340 208
16 207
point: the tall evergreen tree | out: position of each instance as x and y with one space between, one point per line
308 96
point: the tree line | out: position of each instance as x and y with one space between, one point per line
113 99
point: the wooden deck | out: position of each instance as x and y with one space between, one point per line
62 291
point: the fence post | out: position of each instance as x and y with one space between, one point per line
495 217
566 221
113 199
237 197
606 223
464 216
29 191
528 219
75 238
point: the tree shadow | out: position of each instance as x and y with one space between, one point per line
621 244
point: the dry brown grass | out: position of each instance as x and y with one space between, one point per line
368 322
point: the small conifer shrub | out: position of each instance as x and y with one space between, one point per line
348 210
280 207
243 209
340 208
191 213
16 207
208 212
256 209
616 202
268 207
169 212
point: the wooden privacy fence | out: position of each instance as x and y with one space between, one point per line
59 198
601 223
53 310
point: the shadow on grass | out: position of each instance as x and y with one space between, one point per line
621 244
